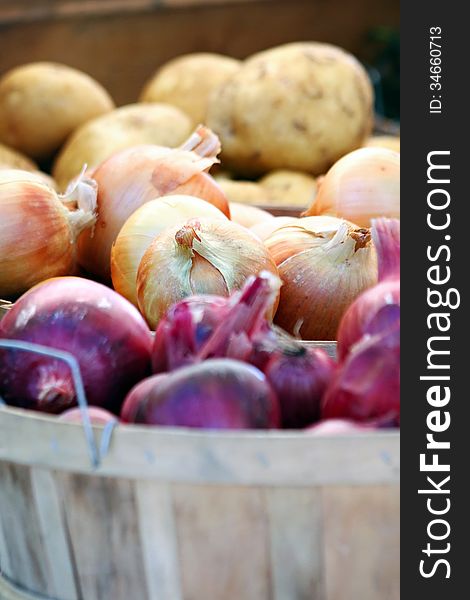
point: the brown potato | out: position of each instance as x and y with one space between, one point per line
187 82
299 106
12 159
289 188
124 127
392 142
244 192
42 103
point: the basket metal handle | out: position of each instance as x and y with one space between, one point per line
95 454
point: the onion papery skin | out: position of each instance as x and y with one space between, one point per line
140 230
299 379
204 256
367 385
105 333
361 186
323 270
359 318
38 233
126 181
216 394
265 229
202 327
184 329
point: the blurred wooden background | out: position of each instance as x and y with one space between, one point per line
121 42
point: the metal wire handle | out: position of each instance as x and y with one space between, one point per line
95 454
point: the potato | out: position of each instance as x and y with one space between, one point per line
187 81
392 142
289 188
299 106
42 103
127 126
244 192
11 159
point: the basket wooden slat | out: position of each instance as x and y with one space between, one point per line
175 514
179 455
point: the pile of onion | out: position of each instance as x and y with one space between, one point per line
103 331
324 264
203 256
132 177
362 185
141 228
38 234
208 327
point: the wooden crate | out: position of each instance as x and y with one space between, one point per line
122 42
184 515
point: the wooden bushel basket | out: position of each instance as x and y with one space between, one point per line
176 514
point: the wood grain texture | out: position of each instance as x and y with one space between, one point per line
223 542
362 542
121 538
21 531
9 591
158 536
102 521
296 543
122 48
55 543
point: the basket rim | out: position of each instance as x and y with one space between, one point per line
285 458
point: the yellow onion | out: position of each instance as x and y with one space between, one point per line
140 229
203 256
363 185
132 177
266 228
247 215
38 232
324 264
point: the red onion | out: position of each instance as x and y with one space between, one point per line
338 427
367 385
358 318
203 327
98 416
106 334
184 329
133 409
300 376
217 394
